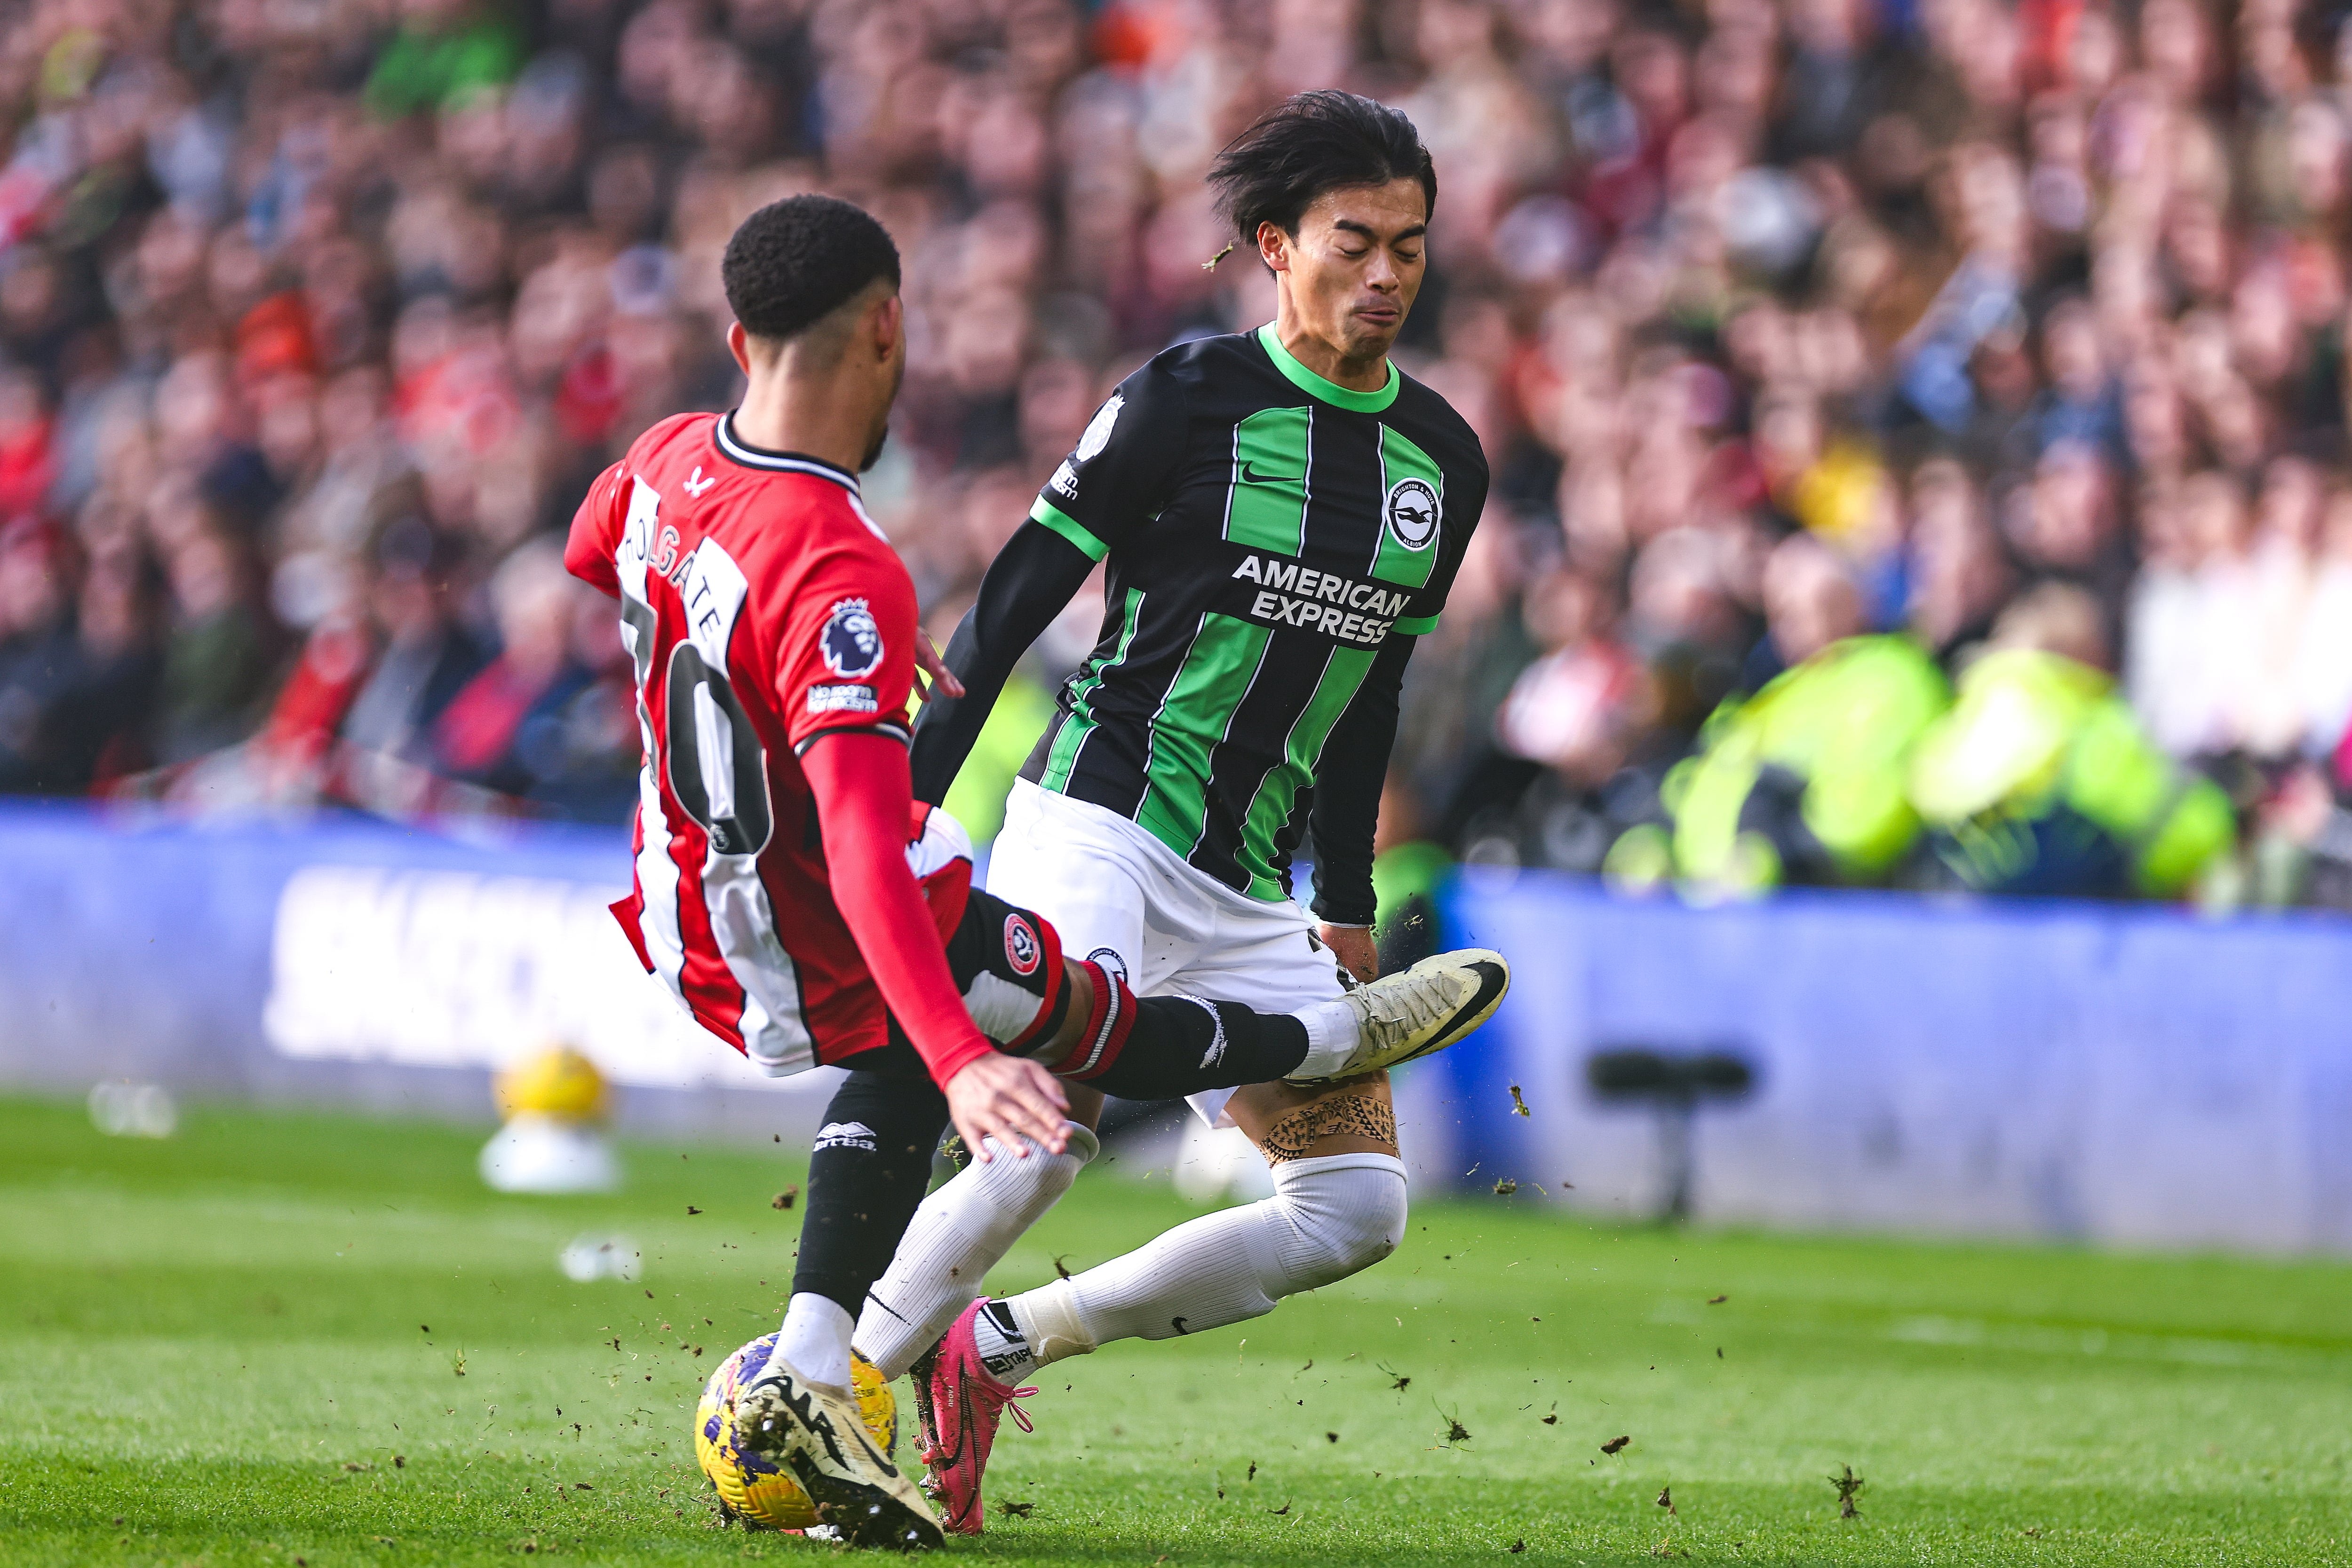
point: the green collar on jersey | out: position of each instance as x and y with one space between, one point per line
1313 385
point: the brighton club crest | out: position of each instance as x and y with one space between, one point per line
851 641
1412 512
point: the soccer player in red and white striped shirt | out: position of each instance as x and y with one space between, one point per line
788 891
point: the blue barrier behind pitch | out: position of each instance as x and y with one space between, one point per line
2124 1073
2118 1074
343 960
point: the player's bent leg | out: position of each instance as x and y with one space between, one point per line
1025 994
960 1233
1155 1048
872 1162
1337 1175
866 1175
964 1230
1086 1026
1339 1207
1414 1012
1080 1019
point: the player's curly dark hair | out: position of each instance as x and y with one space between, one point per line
1308 143
795 261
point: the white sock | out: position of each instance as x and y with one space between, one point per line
1044 1325
1003 1342
960 1233
1333 1216
1328 1218
815 1340
1332 1033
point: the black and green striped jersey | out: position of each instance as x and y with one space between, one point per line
1266 531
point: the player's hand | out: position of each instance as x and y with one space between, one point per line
931 671
1354 947
1009 1098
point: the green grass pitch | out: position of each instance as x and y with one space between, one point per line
307 1340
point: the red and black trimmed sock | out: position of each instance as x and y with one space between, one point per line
1160 1048
1110 1018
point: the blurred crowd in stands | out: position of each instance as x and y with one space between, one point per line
1918 426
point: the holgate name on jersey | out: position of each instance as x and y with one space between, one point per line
1350 609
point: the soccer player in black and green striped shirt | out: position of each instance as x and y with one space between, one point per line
1275 538
1280 513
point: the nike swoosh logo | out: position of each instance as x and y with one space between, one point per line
943 1457
1250 476
816 1421
942 1460
881 1460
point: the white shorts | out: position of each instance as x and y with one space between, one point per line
1123 899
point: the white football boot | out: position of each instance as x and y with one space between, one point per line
813 1432
1435 1004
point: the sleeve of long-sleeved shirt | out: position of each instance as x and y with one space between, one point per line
1350 775
863 802
1115 481
845 654
1353 769
1031 579
844 665
1121 472
596 530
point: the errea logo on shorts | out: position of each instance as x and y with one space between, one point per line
845 1135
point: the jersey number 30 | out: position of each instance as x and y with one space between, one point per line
716 764
718 768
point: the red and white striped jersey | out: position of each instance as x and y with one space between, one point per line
762 609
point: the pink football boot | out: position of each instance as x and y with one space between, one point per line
965 1403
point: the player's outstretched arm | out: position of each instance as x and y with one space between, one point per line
1349 779
1033 578
860 781
1116 479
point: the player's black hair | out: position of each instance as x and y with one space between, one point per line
795 261
1310 143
